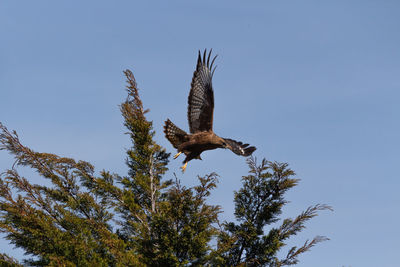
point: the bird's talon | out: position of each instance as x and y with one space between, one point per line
177 155
184 167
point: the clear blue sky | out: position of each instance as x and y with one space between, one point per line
311 83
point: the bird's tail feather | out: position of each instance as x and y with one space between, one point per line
239 148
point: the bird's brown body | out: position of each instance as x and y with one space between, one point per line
200 116
200 142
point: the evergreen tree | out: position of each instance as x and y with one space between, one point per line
258 204
89 219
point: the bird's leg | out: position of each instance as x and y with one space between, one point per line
184 167
177 155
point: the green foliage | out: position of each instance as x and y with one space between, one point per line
183 228
7 261
89 219
258 204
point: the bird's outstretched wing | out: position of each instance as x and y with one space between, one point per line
239 148
201 96
174 134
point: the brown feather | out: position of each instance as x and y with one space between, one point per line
239 148
200 117
174 134
201 96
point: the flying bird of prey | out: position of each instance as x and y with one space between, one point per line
200 117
